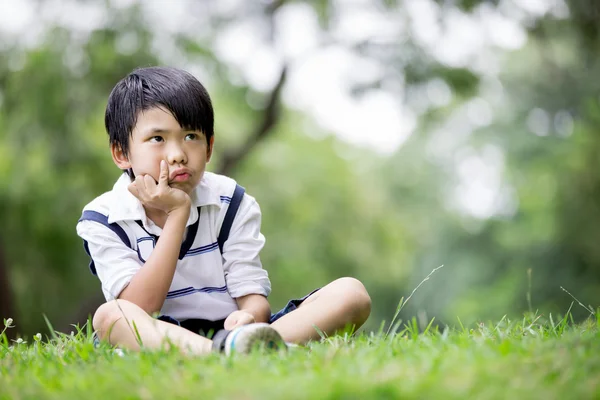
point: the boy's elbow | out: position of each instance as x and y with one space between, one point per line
257 305
149 305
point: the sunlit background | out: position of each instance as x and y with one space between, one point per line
382 139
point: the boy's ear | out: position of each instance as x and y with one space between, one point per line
209 151
119 157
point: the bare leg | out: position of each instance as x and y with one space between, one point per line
343 302
114 322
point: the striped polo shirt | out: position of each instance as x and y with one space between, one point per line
119 238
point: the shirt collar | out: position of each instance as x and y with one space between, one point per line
126 207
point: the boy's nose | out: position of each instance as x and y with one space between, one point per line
176 155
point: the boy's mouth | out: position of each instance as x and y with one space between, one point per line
180 175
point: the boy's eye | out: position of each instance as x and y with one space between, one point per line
191 136
156 139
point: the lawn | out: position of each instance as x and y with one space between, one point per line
537 357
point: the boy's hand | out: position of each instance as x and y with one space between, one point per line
238 318
160 196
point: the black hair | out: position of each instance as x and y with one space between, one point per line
173 89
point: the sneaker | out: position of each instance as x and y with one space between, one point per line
248 337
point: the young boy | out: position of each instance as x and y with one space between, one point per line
174 240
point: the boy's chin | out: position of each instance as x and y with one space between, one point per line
187 187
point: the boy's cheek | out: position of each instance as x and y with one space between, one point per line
147 171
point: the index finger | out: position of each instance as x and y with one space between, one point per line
163 178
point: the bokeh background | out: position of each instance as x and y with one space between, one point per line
381 138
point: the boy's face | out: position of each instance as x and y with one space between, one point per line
158 136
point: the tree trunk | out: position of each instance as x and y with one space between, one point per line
270 117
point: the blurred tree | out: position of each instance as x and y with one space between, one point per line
53 97
546 133
329 209
53 104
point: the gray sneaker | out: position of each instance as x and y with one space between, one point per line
253 336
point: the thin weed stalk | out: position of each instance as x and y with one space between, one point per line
587 308
403 302
529 290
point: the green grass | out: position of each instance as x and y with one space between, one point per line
537 357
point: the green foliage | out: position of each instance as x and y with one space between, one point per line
56 160
329 209
324 217
462 81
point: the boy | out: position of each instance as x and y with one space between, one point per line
172 239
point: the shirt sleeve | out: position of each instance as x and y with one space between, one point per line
115 262
244 273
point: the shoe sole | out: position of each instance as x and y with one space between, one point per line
255 337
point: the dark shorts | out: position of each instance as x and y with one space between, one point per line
208 328
289 307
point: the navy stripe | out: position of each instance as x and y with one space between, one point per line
225 198
208 246
201 252
183 293
180 290
203 249
173 296
140 256
87 250
145 238
191 289
186 292
203 290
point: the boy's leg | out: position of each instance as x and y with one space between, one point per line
114 322
343 302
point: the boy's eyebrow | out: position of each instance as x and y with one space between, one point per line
163 131
156 130
152 131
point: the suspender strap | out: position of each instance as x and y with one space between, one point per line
95 216
234 205
103 219
189 239
236 199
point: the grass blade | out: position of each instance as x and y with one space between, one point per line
590 310
403 302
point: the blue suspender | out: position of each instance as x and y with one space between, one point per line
102 219
236 199
234 205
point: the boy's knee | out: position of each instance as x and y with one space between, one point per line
106 316
356 299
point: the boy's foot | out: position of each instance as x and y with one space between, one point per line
253 336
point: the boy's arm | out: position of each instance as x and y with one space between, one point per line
149 286
252 308
247 281
242 267
255 304
120 270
